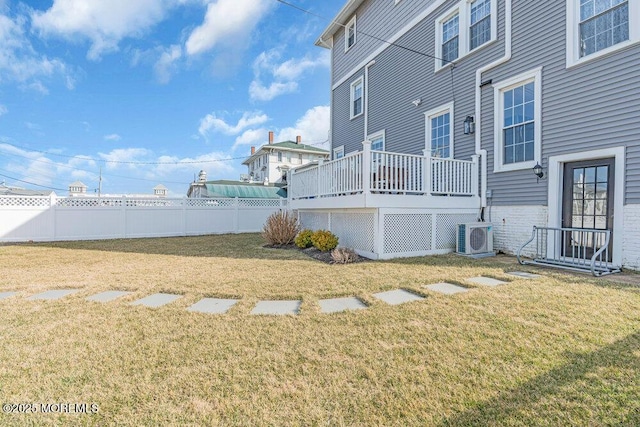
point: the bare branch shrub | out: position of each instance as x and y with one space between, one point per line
281 228
344 255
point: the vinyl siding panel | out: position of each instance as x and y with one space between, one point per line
593 106
346 131
379 18
400 76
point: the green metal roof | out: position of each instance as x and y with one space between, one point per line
293 146
244 190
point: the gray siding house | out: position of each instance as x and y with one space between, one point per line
440 110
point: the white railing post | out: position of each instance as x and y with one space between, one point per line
426 172
318 177
474 175
366 167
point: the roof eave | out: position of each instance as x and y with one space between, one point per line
341 18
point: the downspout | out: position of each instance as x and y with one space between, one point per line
507 56
366 99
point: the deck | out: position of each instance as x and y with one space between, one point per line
374 179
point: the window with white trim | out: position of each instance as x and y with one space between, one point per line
279 157
338 152
439 131
467 26
350 34
598 27
357 88
518 122
480 25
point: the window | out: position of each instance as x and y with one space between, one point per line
356 98
450 35
338 152
480 29
517 122
279 157
467 26
439 131
350 34
598 27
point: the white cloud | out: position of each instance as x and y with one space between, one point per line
213 123
21 63
123 157
283 76
228 22
165 66
112 137
252 137
313 127
104 23
258 92
173 165
3 110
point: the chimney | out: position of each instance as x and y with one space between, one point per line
253 150
298 139
270 137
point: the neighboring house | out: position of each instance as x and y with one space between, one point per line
231 189
79 189
272 161
7 190
555 86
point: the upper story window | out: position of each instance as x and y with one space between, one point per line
598 27
338 152
518 122
279 157
480 28
439 131
350 34
467 26
450 36
357 88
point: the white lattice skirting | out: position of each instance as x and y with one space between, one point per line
391 233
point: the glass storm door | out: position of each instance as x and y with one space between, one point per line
587 201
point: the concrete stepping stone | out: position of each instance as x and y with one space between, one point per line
334 305
156 300
4 295
523 274
277 307
446 288
213 305
107 296
53 294
486 281
398 296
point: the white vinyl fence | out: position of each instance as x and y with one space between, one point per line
50 218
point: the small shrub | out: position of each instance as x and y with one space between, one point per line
344 255
324 240
281 228
303 239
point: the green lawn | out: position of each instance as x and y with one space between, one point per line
560 350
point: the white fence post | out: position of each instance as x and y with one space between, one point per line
236 215
184 215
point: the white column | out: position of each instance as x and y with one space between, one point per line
426 176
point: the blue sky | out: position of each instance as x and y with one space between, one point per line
152 91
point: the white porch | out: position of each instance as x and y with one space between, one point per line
380 179
388 205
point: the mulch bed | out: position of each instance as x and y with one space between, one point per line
313 253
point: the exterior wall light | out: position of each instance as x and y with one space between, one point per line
469 125
537 170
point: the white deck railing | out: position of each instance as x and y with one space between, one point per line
385 173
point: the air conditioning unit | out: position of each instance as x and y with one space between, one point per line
474 238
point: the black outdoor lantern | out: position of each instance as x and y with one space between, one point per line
469 125
537 170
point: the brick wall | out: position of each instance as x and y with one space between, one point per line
513 226
631 240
